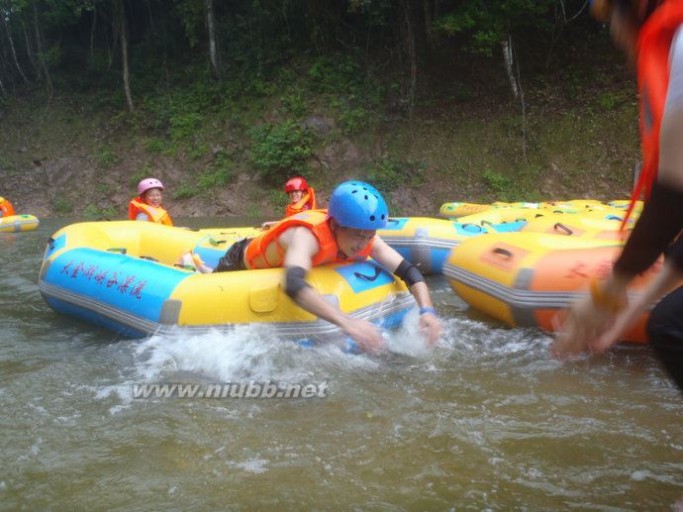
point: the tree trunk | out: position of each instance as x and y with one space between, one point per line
429 18
92 34
512 69
121 17
211 30
2 88
12 49
41 53
30 52
508 58
408 42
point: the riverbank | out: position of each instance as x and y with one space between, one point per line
67 158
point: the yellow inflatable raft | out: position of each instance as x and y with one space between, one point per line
122 275
16 223
526 279
573 206
578 225
426 242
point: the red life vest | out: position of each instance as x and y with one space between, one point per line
6 208
154 213
267 245
307 202
653 50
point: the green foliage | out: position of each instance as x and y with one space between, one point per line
609 100
52 56
211 179
6 164
155 145
280 150
507 188
487 23
388 174
106 157
496 182
62 206
294 102
185 191
93 212
191 14
353 120
184 125
278 198
336 74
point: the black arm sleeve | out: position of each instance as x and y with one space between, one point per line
409 273
660 222
295 281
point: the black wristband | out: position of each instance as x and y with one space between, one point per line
659 223
295 281
409 273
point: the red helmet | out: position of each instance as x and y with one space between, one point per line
296 183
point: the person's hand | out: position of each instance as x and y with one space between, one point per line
367 335
581 328
430 326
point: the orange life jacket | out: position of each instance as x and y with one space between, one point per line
154 213
307 202
267 245
6 208
653 49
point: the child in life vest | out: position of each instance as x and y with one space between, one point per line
6 208
148 205
301 198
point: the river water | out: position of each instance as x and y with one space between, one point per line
485 421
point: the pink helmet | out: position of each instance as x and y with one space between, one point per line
148 183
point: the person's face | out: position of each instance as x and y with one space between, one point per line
295 196
153 197
353 241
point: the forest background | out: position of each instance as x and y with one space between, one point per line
430 100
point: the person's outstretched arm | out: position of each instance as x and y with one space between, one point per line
395 263
300 246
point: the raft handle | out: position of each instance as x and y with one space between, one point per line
149 258
121 250
502 252
561 227
365 277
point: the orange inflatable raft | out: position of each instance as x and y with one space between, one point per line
527 279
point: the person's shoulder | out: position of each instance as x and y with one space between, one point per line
298 235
